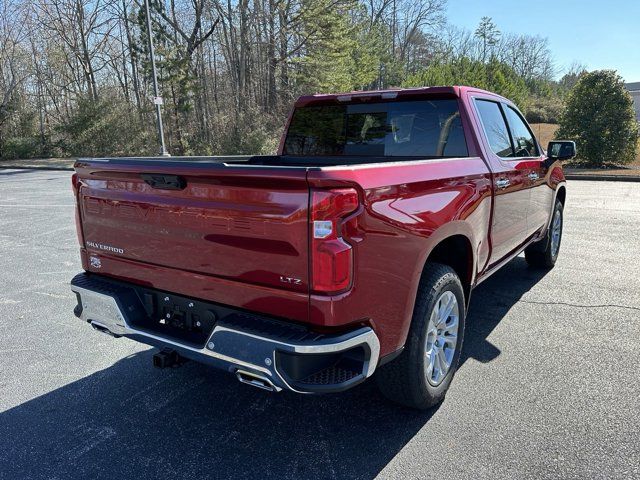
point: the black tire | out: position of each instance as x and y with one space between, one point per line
404 380
541 254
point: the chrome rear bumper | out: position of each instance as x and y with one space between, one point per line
249 346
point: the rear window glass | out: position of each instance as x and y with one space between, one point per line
415 129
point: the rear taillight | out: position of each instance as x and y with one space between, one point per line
75 184
331 255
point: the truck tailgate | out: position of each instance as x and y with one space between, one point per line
242 224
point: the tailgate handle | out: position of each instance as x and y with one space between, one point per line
164 182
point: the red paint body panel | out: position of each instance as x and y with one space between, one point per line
226 238
277 302
244 228
239 234
407 210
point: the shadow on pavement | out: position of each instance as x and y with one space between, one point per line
27 172
6 173
132 421
490 302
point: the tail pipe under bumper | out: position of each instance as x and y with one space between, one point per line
260 351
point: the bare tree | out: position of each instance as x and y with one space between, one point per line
528 55
13 71
84 27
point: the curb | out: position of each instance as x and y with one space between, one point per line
33 167
603 178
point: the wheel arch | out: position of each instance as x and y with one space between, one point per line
455 251
561 194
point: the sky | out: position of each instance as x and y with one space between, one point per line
601 34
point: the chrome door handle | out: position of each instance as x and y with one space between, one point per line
503 183
533 176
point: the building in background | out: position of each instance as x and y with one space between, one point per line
634 90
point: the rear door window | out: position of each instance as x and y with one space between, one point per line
430 128
495 128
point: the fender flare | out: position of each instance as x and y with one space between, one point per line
559 185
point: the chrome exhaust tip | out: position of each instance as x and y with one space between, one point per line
102 329
256 380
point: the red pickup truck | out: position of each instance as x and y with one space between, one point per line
353 251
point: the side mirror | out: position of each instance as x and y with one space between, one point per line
559 150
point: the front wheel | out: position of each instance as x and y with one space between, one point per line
543 254
420 376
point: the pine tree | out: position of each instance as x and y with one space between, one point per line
488 34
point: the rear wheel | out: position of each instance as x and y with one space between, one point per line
420 376
543 254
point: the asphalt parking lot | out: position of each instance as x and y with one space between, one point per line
549 385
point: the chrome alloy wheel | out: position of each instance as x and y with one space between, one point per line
556 232
442 338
